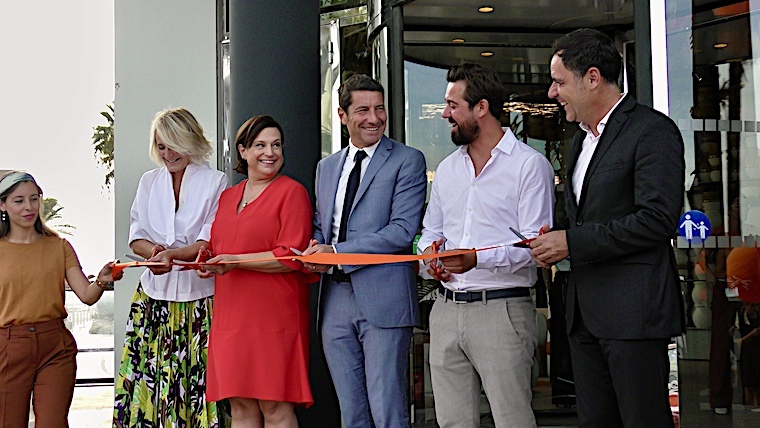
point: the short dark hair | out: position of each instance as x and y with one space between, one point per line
247 134
585 48
357 82
482 84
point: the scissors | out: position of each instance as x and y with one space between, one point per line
135 258
196 264
141 259
525 243
436 263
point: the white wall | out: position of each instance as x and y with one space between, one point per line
165 54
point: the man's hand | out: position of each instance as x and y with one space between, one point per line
460 263
434 266
550 247
315 247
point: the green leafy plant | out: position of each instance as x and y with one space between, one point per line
102 139
52 211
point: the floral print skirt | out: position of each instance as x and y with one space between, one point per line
162 375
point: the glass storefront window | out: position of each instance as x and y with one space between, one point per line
426 130
713 54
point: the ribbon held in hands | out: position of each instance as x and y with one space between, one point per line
320 259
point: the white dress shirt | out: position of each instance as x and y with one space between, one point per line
154 219
340 196
515 188
588 148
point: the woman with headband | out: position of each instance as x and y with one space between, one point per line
37 351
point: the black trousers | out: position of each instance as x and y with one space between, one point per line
619 383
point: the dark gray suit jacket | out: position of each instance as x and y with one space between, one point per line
624 274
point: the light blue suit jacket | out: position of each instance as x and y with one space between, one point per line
385 219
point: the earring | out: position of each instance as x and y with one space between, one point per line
3 216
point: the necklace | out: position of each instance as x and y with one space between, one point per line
255 193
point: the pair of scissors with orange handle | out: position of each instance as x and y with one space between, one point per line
436 263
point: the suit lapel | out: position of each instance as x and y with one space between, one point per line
615 124
330 189
378 159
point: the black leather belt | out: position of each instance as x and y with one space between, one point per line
340 276
482 296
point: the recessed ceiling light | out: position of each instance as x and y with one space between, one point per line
457 40
485 9
486 53
720 45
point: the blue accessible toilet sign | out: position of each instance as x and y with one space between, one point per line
694 224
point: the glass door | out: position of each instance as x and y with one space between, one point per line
713 55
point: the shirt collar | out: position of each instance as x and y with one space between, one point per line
506 144
603 123
369 150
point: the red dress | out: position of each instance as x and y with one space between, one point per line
259 340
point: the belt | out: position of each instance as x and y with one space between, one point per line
339 276
482 296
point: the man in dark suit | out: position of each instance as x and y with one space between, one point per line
624 193
368 312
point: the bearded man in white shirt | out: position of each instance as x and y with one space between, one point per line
483 323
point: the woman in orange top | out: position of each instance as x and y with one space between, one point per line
37 352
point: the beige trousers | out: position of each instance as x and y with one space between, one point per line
474 344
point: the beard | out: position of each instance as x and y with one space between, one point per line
465 133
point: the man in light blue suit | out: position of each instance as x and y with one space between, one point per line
368 312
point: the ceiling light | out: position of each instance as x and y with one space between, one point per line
485 9
486 53
457 40
720 45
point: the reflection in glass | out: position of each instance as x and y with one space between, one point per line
714 73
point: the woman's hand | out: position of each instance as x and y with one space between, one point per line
161 255
106 273
217 266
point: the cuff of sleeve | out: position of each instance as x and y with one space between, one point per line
292 264
485 259
205 233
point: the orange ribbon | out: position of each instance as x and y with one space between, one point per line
317 258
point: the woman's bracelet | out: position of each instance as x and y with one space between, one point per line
102 284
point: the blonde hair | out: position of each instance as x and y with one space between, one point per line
178 130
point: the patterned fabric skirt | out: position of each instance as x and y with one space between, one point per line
162 375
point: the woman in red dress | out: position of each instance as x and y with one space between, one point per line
258 353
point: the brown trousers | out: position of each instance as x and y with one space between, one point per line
37 358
